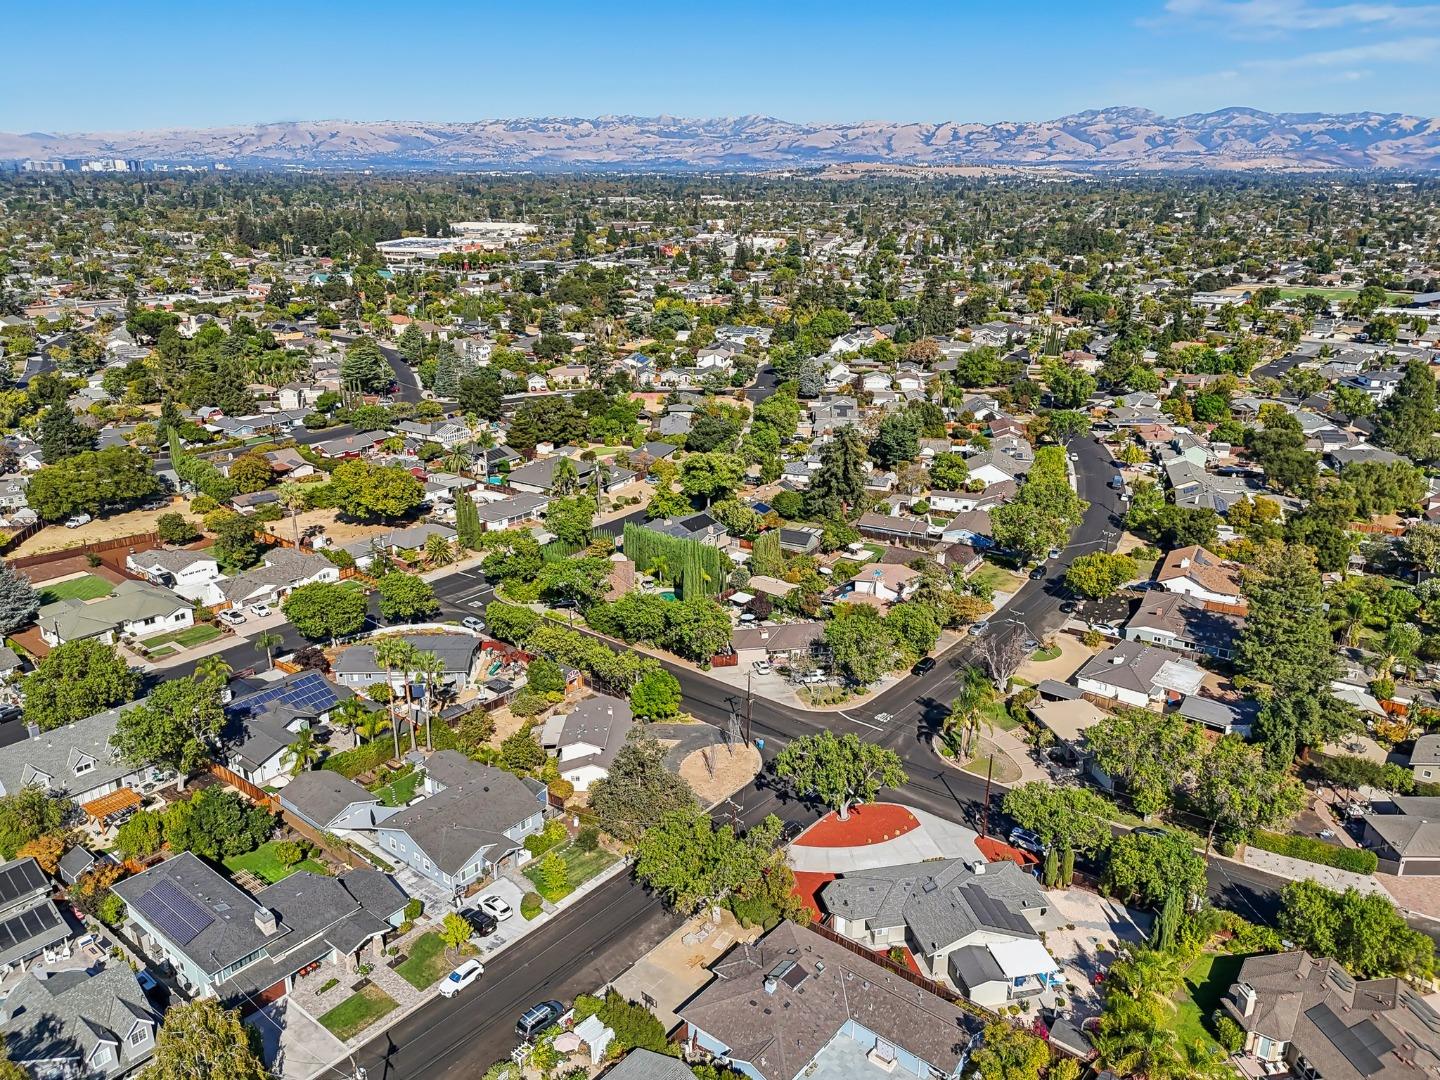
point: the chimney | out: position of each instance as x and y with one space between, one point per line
265 921
771 983
1246 999
1185 563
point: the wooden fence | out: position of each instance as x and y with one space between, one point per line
259 796
140 541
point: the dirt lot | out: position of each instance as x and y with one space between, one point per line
57 537
732 771
1072 656
339 532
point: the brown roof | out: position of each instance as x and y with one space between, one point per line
1379 1029
818 986
1203 566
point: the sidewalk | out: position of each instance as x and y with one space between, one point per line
1300 870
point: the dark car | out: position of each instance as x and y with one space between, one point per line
927 663
537 1018
1037 573
482 922
1067 607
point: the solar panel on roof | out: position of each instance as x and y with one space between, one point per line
310 691
1361 1045
173 913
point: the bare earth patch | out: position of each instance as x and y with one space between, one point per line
57 537
339 532
732 771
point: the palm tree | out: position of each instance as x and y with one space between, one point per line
303 752
968 714
213 668
269 641
1357 610
457 460
439 551
1148 975
372 723
292 498
349 713
430 668
390 653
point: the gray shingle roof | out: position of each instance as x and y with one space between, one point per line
68 1014
321 794
456 652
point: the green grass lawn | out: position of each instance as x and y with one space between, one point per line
1006 771
263 864
357 1012
188 638
999 716
85 587
997 577
1040 656
1296 292
581 867
400 790
1206 982
429 961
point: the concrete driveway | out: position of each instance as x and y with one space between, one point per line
293 1044
1101 926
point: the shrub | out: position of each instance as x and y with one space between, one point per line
203 504
1316 851
111 910
1228 1033
754 911
530 905
588 838
351 763
561 790
553 835
289 853
414 909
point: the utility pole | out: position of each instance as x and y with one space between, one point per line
749 697
985 809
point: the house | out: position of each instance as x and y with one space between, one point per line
1178 621
512 512
782 643
586 741
887 582
75 761
133 609
797 1004
1196 489
30 922
263 723
448 433
351 446
410 538
281 572
1407 842
959 918
327 801
538 477
896 527
701 528
800 539
1198 572
1135 674
80 1024
1425 759
1308 1017
195 575
469 825
357 665
1214 714
225 943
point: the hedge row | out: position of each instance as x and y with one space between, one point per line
363 758
1317 851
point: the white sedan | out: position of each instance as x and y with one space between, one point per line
497 907
260 611
461 977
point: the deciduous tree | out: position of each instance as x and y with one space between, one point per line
76 680
839 772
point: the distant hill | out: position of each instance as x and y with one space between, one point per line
1111 139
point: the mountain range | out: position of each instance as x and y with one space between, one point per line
1114 139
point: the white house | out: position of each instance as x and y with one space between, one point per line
585 742
1136 674
194 575
135 609
1196 572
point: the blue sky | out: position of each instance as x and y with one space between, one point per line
148 63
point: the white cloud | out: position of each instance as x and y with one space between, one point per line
1286 16
1416 50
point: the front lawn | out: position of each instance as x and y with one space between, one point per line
997 577
580 867
1206 982
85 587
263 864
429 961
357 1012
188 638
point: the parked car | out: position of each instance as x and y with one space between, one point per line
260 611
538 1017
791 830
761 667
461 977
1037 573
482 922
1053 553
78 520
1068 607
813 677
495 906
1026 840
231 617
926 664
470 622
979 628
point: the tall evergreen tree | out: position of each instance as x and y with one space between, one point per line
1407 421
839 484
18 601
62 436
